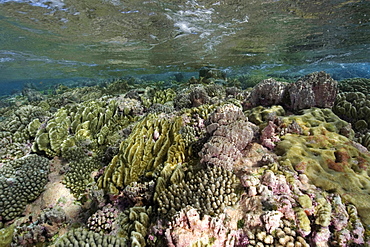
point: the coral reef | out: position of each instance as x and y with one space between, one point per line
282 207
16 130
268 92
154 141
354 107
209 190
82 237
188 228
21 180
104 220
79 169
134 225
230 134
41 230
317 89
211 72
141 163
330 160
96 121
6 235
361 85
198 94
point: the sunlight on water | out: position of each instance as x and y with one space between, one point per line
103 39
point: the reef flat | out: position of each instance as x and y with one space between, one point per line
210 162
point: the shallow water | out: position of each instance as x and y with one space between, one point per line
47 40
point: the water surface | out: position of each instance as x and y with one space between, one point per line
99 39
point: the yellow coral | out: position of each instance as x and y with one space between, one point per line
155 142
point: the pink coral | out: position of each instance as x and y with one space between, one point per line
231 134
269 137
188 228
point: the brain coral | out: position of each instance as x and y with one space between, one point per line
330 160
21 181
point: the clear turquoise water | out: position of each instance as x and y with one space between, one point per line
77 40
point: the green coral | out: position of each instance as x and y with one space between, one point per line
81 238
303 220
323 212
355 85
79 169
6 236
134 225
162 96
330 160
16 123
154 142
96 121
355 108
21 180
209 190
15 133
259 115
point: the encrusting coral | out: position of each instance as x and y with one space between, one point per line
330 160
21 180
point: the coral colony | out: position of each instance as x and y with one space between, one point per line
206 163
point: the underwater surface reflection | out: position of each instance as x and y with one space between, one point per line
110 38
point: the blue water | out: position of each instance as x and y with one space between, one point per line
85 42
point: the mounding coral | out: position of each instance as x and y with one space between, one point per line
231 133
355 85
317 89
21 181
